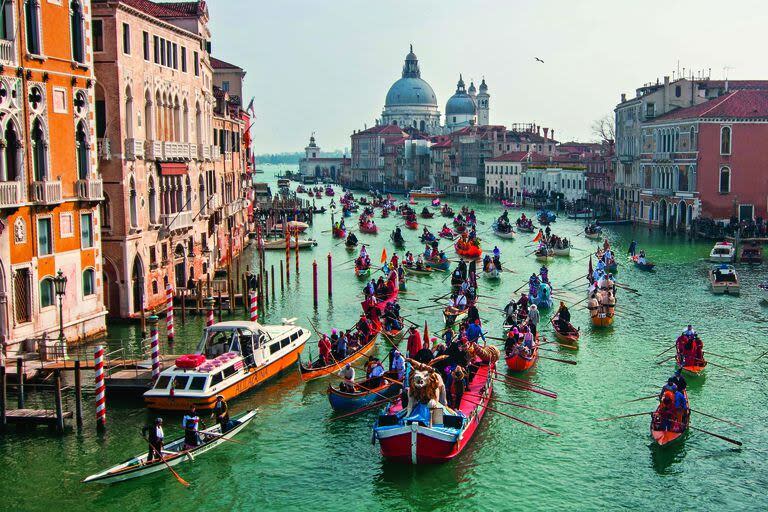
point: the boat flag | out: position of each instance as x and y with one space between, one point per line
591 270
426 334
537 237
384 255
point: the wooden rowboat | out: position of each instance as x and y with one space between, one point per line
174 453
602 319
451 314
680 424
571 337
365 393
520 363
362 273
369 228
506 235
412 270
399 242
547 255
411 224
311 372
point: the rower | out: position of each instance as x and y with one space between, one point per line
632 248
347 373
221 412
190 423
413 344
689 331
563 318
324 348
154 436
376 373
398 364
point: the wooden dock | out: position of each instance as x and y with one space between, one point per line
35 417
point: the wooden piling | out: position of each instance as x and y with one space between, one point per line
231 293
330 276
20 373
183 305
272 271
314 283
59 405
245 292
78 394
296 240
282 281
219 305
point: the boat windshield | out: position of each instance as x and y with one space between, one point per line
219 341
721 250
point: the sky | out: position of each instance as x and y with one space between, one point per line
325 66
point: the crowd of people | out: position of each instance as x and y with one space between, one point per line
690 349
673 411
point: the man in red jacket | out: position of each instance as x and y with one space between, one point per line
414 342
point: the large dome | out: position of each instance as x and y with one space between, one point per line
410 91
460 103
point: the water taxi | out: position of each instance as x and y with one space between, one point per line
722 252
231 358
723 279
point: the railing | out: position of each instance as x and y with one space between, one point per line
215 154
233 207
90 189
193 152
134 148
180 220
176 150
46 192
154 149
7 52
103 149
204 152
10 194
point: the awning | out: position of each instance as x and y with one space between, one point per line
173 168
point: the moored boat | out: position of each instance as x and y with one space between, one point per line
752 253
280 244
173 453
723 279
722 252
425 193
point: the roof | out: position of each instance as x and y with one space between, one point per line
167 9
381 129
514 156
742 103
220 64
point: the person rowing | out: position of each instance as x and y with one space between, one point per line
347 375
564 318
155 436
191 425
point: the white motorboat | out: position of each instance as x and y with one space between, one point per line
722 252
723 279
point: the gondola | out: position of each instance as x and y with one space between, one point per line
365 393
369 228
414 271
544 255
397 242
311 372
520 363
174 453
569 336
362 273
679 423
411 224
339 232
647 266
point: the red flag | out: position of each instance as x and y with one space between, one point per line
384 255
426 334
538 237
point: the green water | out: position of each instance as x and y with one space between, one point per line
293 458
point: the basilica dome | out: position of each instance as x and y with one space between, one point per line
410 89
460 103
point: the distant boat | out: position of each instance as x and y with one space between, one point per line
425 192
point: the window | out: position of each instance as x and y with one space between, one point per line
44 237
184 59
46 293
145 43
39 152
6 21
225 86
22 295
198 383
175 56
86 230
89 282
725 140
156 49
97 31
162 52
81 148
678 91
196 59
126 39
106 213
216 379
32 25
725 180
180 382
77 27
650 110
163 382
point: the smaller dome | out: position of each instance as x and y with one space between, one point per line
460 104
483 87
471 89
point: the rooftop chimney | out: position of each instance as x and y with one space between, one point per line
546 130
623 97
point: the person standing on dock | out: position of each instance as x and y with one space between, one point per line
154 435
221 411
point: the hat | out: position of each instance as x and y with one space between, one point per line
158 420
219 396
333 331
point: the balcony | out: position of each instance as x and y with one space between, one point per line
90 189
103 149
204 152
154 149
180 220
215 153
134 148
7 52
176 150
46 192
233 207
193 152
10 194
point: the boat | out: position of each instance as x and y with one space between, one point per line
315 370
722 252
369 228
563 251
174 453
339 232
723 279
593 235
425 193
679 426
447 234
293 226
570 336
231 358
329 192
366 393
509 204
397 242
586 213
442 433
436 202
646 266
437 264
411 224
542 301
503 234
752 253
470 251
415 271
426 214
362 272
451 315
545 254
493 274
446 211
520 363
546 217
602 318
384 213
524 226
318 210
280 244
693 369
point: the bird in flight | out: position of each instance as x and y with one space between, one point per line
538 59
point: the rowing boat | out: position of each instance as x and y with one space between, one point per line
366 393
493 274
504 234
311 372
679 426
545 255
563 251
397 242
467 250
339 233
520 363
569 336
451 314
433 436
413 270
362 273
369 228
174 453
411 224
646 266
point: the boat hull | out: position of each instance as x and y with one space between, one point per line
345 402
308 373
506 236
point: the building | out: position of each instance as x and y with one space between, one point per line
314 168
707 161
557 180
598 158
50 184
410 101
367 167
503 175
154 108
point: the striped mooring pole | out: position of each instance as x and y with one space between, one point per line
209 302
101 399
169 312
154 346
254 305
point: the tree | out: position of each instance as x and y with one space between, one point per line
604 128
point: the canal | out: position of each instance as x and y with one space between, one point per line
293 458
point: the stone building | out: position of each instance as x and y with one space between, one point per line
314 168
154 109
50 185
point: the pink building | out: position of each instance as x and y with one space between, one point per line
706 161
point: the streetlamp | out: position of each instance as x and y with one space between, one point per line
60 287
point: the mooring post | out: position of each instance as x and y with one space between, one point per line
282 282
272 271
59 405
78 394
20 373
314 283
330 276
101 398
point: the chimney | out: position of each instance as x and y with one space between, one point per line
546 130
538 130
552 133
623 97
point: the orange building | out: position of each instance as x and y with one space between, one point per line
49 182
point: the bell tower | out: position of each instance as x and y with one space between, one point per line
483 107
313 150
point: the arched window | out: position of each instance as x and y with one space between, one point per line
132 204
725 180
39 152
77 26
32 25
46 293
692 138
11 170
185 122
152 201
89 282
422 126
188 199
128 113
201 192
725 140
149 118
81 145
198 124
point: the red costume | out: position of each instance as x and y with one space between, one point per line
414 343
324 346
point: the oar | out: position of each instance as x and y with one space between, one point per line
517 419
727 439
363 409
723 367
522 382
760 356
513 404
667 359
670 348
221 436
178 477
569 282
624 416
574 363
639 399
560 343
720 355
718 419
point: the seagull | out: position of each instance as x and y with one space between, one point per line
538 59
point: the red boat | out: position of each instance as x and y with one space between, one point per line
383 301
339 233
678 425
467 250
520 363
369 227
411 224
445 435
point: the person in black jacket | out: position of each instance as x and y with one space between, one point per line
154 435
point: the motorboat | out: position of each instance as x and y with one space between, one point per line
722 252
723 279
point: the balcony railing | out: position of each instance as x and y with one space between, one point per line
7 52
193 153
204 152
233 207
134 148
10 194
180 220
103 149
46 192
215 153
90 189
176 150
154 149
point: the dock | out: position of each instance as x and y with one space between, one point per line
46 417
